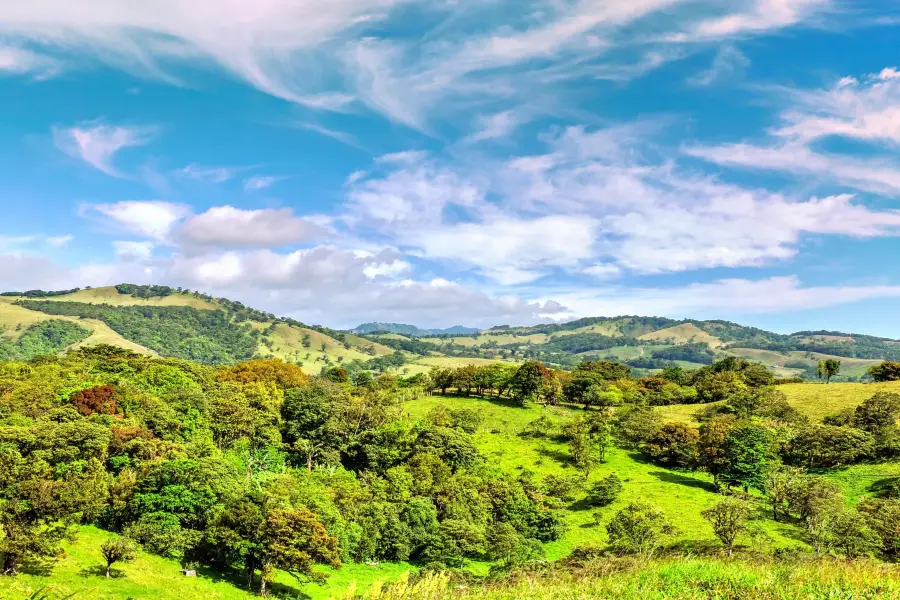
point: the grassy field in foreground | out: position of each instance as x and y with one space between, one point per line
151 577
683 579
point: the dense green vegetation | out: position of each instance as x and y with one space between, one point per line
254 470
45 337
208 336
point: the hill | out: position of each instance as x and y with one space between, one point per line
164 321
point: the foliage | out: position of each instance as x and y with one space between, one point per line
605 491
207 336
886 371
728 519
44 337
639 528
117 550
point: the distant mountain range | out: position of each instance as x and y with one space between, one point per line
412 330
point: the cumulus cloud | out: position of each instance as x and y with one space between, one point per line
151 218
227 226
133 251
97 144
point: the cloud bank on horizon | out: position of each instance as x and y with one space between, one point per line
461 161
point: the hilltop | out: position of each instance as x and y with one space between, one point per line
174 322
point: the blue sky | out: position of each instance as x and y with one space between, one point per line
472 162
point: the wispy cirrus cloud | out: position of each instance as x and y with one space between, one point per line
97 143
865 110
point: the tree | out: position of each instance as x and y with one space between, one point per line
886 371
528 380
117 550
639 528
674 445
828 446
605 491
636 424
780 482
827 369
728 519
293 540
713 448
589 439
748 449
877 413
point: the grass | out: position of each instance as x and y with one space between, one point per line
287 343
683 334
109 295
671 578
680 495
79 571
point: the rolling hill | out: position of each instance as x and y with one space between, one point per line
164 321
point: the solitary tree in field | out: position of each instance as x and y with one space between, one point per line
639 528
828 369
117 550
728 519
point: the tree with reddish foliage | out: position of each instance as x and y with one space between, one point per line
101 399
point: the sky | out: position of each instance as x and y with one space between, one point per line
475 162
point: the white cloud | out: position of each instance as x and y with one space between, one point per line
150 218
723 298
133 251
761 16
866 110
58 241
261 182
258 42
97 144
208 174
511 250
227 226
18 61
497 126
728 62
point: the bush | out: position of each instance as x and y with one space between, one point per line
674 445
639 528
605 491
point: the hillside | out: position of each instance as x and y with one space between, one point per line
401 476
163 321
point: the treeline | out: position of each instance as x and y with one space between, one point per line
603 383
41 293
248 469
207 336
45 337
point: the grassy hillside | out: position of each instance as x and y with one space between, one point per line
103 320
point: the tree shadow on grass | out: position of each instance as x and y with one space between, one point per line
669 477
559 456
37 566
100 571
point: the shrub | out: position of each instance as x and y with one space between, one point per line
886 371
639 528
605 491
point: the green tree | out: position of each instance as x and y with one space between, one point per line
117 550
293 540
886 371
749 453
827 369
605 491
728 519
674 445
639 528
636 424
